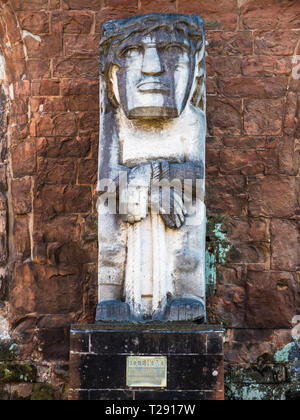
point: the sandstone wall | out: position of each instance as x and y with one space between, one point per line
48 234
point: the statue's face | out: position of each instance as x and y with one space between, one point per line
155 76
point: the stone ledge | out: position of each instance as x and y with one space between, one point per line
194 354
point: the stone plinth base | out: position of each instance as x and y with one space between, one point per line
195 361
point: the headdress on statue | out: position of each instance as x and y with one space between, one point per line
189 27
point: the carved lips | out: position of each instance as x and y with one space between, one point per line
153 86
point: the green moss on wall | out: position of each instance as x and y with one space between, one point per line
17 373
217 250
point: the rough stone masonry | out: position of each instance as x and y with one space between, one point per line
49 134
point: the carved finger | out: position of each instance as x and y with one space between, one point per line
168 221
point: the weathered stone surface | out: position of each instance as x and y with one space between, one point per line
33 285
224 117
230 43
21 193
285 245
34 22
24 159
271 299
63 199
270 15
272 196
22 238
218 14
263 117
226 195
72 22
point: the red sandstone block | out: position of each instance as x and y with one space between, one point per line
82 103
49 46
227 195
15 52
266 66
54 200
211 86
76 67
72 22
88 122
229 43
65 124
218 14
19 108
230 304
15 69
271 299
34 22
23 159
158 6
38 69
56 171
48 105
255 255
270 14
248 229
272 196
22 88
288 156
297 122
21 195
81 45
42 126
253 87
285 245
87 171
81 5
282 43
263 117
61 229
45 88
55 147
248 162
212 161
19 129
72 87
34 286
29 4
290 113
246 346
11 24
223 65
231 275
21 238
124 4
109 13
54 4
256 142
224 116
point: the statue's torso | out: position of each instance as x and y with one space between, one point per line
181 141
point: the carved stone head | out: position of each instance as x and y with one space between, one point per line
152 64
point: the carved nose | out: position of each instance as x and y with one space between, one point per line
152 65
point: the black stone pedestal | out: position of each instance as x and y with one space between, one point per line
195 362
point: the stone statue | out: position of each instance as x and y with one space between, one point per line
151 169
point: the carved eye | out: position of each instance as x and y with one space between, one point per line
173 50
132 52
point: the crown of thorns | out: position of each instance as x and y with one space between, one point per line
115 32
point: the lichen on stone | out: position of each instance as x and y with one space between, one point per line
217 250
